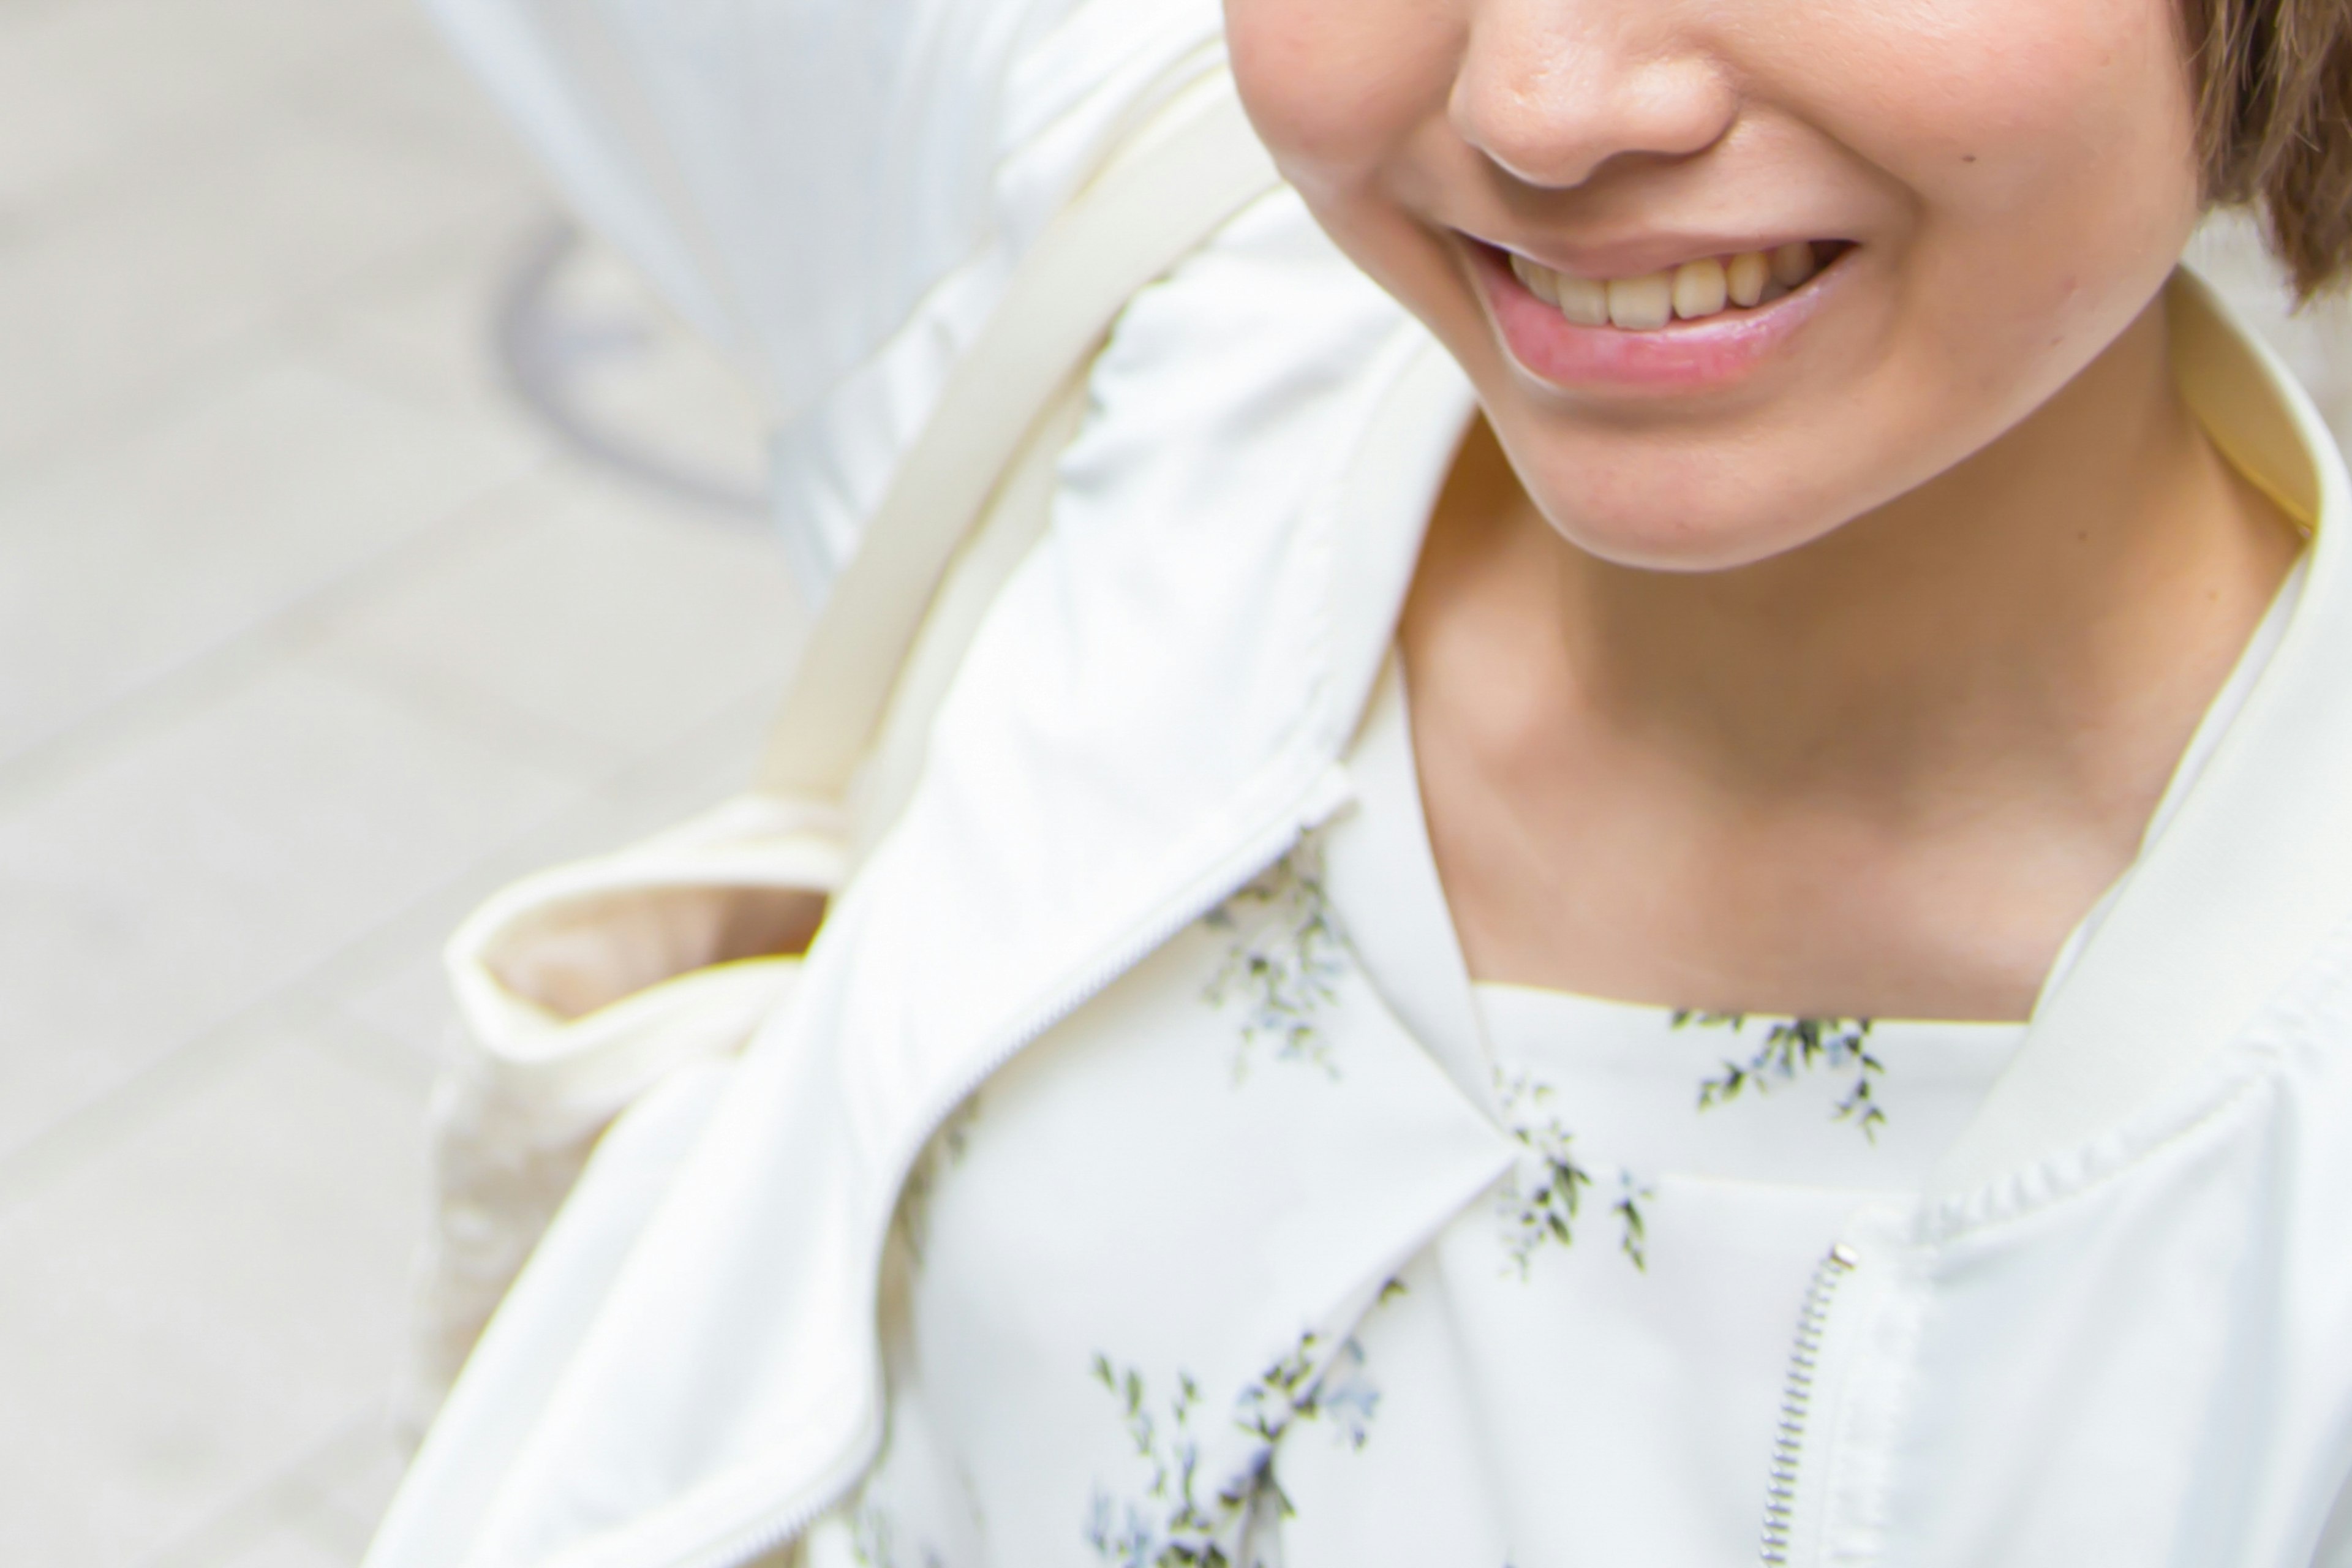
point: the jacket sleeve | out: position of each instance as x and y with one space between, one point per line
792 174
825 188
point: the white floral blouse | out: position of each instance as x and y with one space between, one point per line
1589 1364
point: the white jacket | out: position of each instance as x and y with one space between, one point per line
2117 1329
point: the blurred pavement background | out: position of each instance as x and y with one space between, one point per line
365 541
313 629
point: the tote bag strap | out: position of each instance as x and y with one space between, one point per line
1007 407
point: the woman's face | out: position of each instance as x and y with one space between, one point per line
1730 273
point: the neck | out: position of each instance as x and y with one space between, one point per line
2062 605
1939 731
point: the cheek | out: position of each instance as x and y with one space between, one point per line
1336 87
2043 127
2048 161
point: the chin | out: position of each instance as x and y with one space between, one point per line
1707 544
1667 514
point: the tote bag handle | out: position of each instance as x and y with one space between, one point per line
1005 412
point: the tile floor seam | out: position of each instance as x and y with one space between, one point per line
290 629
85 1131
478 714
152 404
311 326
88 1129
370 1049
303 100
305 314
286 1496
239 352
130 172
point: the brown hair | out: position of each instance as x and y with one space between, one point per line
2275 124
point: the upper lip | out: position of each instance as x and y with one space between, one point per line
1637 255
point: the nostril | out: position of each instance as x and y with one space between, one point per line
1551 106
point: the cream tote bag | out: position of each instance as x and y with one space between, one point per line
582 987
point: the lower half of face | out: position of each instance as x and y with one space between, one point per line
1729 274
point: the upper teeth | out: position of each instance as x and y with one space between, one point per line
1694 289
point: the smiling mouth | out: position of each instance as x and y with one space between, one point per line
1696 291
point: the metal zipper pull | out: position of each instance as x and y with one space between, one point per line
1797 1401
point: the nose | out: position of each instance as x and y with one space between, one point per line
1552 90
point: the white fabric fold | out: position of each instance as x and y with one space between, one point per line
835 191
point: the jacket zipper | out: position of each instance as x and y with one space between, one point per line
1797 1401
1305 811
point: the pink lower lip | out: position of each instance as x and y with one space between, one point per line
1713 350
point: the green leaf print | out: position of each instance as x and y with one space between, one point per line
1286 957
876 1538
944 1151
1172 1524
1539 1203
873 1541
1793 1045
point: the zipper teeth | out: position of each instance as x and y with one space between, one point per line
1259 851
1797 1401
760 1540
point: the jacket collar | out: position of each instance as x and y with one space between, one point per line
1382 880
2254 872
